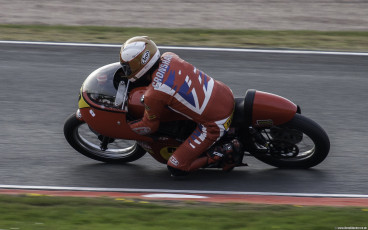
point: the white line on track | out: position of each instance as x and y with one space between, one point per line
276 51
171 191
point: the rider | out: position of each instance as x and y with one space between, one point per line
175 84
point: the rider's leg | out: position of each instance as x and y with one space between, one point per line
187 157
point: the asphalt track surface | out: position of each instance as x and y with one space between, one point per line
39 87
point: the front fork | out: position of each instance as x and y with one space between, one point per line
105 141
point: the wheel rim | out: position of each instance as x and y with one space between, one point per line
288 147
117 150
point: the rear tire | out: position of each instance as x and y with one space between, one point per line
308 147
85 141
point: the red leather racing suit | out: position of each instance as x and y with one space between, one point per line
183 88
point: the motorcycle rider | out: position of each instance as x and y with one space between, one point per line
176 84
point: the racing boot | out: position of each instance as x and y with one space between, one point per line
214 156
234 157
226 156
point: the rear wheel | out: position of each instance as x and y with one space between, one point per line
300 143
93 145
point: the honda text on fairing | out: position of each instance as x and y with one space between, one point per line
269 127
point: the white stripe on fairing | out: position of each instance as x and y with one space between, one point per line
137 190
193 48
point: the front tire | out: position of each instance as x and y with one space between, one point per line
86 142
300 143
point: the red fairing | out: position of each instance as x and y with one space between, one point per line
110 124
161 149
135 106
270 109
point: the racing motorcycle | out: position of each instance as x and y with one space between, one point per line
269 127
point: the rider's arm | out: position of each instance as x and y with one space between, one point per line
151 118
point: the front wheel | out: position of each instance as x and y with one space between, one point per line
300 143
88 142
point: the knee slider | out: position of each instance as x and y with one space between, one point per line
176 172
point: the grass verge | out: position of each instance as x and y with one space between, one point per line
311 40
58 213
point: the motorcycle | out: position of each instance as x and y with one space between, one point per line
269 127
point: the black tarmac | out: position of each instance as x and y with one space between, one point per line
39 87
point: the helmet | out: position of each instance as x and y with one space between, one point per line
137 56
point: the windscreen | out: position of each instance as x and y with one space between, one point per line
100 89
